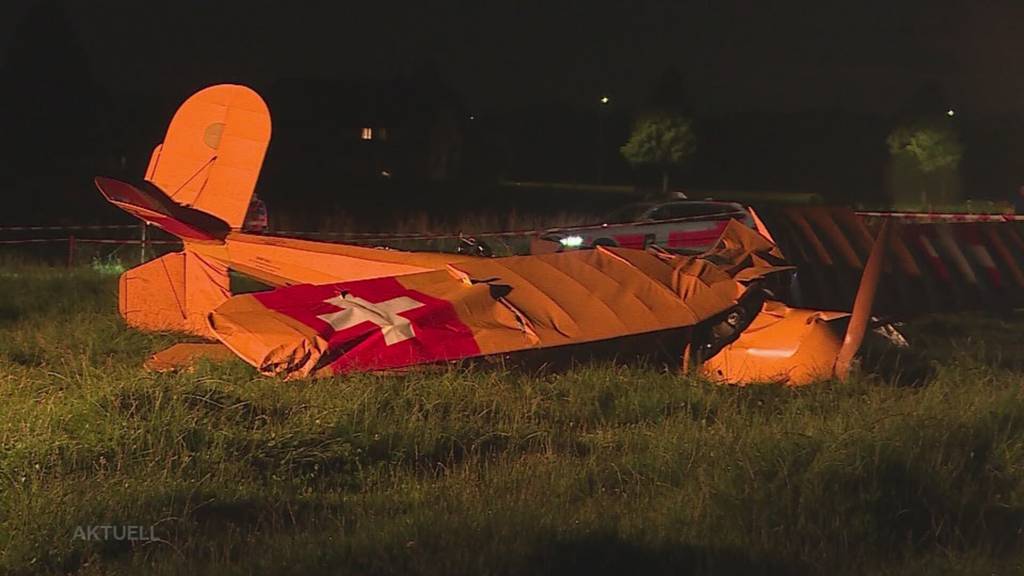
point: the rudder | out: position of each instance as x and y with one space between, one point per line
211 156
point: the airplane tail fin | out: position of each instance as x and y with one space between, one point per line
212 153
198 186
201 178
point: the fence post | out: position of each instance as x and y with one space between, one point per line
71 250
142 245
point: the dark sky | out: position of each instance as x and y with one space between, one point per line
779 56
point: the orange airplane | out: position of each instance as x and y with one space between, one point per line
336 308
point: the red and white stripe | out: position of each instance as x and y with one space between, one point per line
947 218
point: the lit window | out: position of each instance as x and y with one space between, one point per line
367 133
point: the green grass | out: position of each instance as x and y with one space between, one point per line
604 469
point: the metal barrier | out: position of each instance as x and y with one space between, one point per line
939 261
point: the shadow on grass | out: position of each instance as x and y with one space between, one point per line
609 553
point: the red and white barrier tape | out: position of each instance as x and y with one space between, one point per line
942 217
57 228
87 241
34 241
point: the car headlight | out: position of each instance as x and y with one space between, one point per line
571 241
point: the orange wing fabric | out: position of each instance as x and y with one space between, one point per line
480 307
285 261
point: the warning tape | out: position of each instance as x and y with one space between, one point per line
56 228
87 241
34 241
943 217
112 241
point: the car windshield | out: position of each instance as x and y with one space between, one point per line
631 213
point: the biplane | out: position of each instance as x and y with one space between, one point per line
743 311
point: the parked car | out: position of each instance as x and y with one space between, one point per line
685 226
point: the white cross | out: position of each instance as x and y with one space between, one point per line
355 310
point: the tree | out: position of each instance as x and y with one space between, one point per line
929 146
660 139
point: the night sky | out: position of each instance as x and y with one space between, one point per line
793 96
859 56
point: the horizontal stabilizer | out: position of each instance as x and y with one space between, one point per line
150 204
184 355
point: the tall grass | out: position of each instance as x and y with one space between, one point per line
602 469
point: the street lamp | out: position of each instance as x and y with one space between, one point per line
600 139
950 113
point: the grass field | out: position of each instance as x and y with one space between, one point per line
604 469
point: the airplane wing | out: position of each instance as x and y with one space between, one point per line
489 306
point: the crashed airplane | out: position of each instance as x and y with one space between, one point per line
730 313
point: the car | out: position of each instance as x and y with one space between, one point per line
683 226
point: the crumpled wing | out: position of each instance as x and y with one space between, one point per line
475 308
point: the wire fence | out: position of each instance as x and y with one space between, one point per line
130 244
125 244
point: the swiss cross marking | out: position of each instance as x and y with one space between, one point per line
354 310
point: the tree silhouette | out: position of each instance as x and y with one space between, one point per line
661 139
929 146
